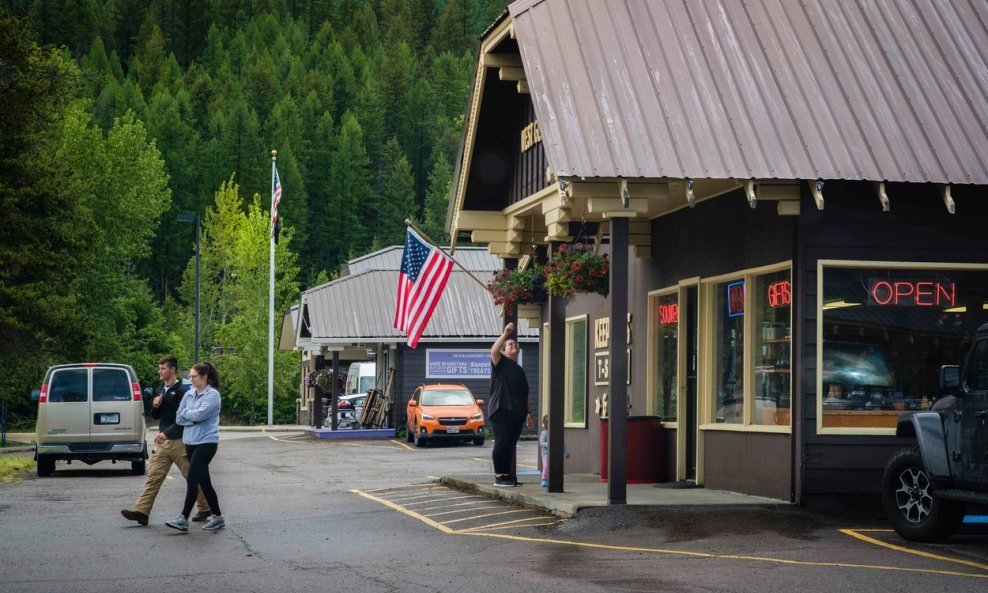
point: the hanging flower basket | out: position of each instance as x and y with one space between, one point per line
577 268
510 288
321 379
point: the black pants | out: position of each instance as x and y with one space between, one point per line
507 426
199 458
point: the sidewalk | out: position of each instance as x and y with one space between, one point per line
24 441
586 490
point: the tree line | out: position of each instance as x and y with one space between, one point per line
119 115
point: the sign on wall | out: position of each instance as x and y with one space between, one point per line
459 363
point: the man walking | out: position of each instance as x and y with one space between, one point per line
171 449
507 409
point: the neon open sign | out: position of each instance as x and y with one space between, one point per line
780 294
912 293
669 313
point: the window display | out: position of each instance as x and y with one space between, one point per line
885 330
665 364
772 343
729 299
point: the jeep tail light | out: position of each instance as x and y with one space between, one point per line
135 388
44 394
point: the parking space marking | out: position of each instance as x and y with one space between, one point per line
547 524
514 523
487 532
412 487
466 510
483 516
859 534
442 499
401 444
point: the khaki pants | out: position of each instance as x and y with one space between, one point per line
166 454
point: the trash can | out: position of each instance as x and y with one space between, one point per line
644 450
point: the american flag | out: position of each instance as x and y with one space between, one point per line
424 273
275 200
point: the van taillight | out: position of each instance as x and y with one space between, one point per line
135 388
44 394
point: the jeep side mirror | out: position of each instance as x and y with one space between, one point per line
950 378
35 394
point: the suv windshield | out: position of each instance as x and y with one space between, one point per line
447 397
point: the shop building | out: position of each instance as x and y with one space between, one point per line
350 319
793 200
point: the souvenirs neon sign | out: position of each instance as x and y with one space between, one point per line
912 293
669 314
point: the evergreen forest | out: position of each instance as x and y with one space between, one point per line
117 116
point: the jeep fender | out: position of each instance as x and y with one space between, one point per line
927 427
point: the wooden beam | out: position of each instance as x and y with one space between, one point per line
502 60
523 87
609 189
510 236
557 215
504 249
639 227
487 220
636 205
511 74
643 250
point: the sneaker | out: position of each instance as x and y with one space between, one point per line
202 516
135 516
179 522
545 483
505 482
215 522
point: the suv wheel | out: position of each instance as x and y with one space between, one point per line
419 440
46 465
409 434
908 496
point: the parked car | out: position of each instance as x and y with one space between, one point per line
90 412
348 409
444 412
928 487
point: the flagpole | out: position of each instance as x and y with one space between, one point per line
274 158
433 243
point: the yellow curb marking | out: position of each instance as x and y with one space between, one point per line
400 444
857 533
449 506
513 526
420 487
669 552
442 499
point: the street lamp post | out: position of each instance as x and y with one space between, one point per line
195 218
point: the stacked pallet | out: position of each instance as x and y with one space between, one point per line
377 406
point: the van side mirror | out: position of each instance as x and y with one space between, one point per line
950 378
35 394
148 392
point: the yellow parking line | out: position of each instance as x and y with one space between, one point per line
445 499
661 551
400 444
856 533
426 495
485 515
493 506
412 487
447 506
492 525
464 532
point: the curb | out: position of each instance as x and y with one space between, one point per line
560 508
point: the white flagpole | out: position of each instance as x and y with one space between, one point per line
274 158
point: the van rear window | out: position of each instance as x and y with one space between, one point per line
68 386
111 385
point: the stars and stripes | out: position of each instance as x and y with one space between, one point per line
275 200
424 273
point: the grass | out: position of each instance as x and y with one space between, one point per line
11 466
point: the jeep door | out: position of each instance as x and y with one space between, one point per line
64 417
114 412
973 406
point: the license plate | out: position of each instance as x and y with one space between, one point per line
109 418
452 430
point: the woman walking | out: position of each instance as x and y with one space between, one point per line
199 413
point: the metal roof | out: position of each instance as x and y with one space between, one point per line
360 308
475 259
760 89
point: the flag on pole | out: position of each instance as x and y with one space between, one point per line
424 273
275 200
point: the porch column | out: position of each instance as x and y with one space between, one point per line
334 396
318 363
557 382
617 409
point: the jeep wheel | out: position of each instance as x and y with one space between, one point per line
908 496
46 466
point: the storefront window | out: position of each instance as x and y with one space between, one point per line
729 351
772 368
884 333
576 372
665 364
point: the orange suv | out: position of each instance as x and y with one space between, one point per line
444 412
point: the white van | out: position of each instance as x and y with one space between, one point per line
361 378
90 412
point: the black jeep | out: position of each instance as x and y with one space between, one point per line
929 487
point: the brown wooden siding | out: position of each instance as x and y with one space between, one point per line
843 472
749 462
